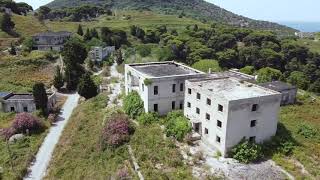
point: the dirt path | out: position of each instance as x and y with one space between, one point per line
39 166
115 88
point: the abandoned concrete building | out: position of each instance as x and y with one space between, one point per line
22 102
225 110
47 41
98 53
160 85
288 92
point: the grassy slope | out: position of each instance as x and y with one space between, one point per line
77 155
308 150
22 152
152 150
18 74
143 19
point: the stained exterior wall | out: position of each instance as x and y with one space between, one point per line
99 53
288 97
235 117
134 80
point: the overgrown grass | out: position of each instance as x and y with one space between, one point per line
313 45
15 158
157 157
205 65
19 73
78 154
308 149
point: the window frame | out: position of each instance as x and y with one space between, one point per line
173 88
155 90
197 110
155 107
198 96
219 122
208 101
220 108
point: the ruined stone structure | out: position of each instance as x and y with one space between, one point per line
47 41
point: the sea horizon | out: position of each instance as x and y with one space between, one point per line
302 26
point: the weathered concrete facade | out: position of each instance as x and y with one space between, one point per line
97 54
14 102
47 41
226 110
288 92
165 90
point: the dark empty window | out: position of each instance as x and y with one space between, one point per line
208 101
219 123
252 139
155 107
207 116
254 107
173 105
142 87
218 139
197 110
181 105
155 90
220 108
189 105
253 123
206 131
25 109
173 88
189 91
181 86
12 109
198 96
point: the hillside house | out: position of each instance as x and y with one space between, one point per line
160 85
22 102
98 53
223 107
47 41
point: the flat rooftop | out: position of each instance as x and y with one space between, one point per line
20 97
278 86
164 69
231 88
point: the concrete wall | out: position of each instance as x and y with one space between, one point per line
240 115
235 117
288 97
212 110
19 105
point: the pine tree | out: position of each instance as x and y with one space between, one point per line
119 58
80 30
40 97
87 35
58 79
87 88
94 33
12 50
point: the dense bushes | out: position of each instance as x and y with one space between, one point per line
246 151
23 123
116 131
177 125
133 105
148 118
307 131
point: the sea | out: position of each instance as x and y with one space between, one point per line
303 26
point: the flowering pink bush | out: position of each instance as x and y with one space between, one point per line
24 122
117 130
6 133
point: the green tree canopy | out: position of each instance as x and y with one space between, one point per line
268 74
133 105
86 87
40 97
299 79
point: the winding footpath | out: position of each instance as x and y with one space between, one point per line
38 168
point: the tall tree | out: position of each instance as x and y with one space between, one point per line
40 97
119 58
94 33
58 79
7 24
87 35
80 30
43 12
12 49
87 88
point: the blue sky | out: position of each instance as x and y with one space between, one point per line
271 10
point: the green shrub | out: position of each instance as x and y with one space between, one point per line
147 82
148 118
247 70
133 105
246 152
144 50
307 131
205 65
177 125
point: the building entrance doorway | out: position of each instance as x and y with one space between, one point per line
197 127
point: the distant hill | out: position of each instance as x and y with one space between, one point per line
198 9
